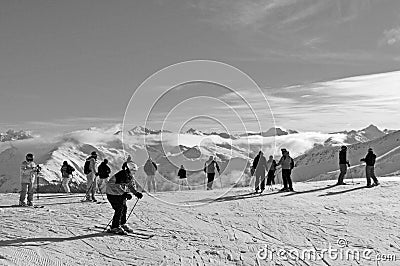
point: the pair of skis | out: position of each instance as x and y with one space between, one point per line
136 234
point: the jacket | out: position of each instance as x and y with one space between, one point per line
182 173
103 170
120 183
369 159
286 162
342 157
150 168
261 166
271 165
66 170
92 165
28 172
210 165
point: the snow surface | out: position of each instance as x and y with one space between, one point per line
207 227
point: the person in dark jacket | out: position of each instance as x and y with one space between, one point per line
66 172
209 168
260 167
271 167
118 190
183 178
370 168
104 172
128 160
343 164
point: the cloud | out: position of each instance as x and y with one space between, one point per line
391 37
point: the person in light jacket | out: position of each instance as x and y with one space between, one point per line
287 164
28 172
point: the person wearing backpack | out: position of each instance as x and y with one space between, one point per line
66 173
260 166
90 171
104 172
287 164
370 159
209 168
271 166
118 189
150 168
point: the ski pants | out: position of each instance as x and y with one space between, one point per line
210 180
102 184
151 183
260 180
271 178
343 171
91 185
26 188
370 173
118 203
287 180
65 185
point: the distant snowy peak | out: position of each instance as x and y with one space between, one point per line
274 131
11 135
363 135
193 131
140 130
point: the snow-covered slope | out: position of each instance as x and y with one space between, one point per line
363 135
211 228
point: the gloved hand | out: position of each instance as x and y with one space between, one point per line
139 195
128 195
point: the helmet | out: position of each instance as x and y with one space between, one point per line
29 157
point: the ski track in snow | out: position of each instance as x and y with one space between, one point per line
227 231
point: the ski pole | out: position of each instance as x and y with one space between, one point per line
137 200
87 191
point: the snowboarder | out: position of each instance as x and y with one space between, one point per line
260 166
209 168
183 178
271 166
66 173
370 168
104 172
91 177
287 164
343 164
150 168
118 190
28 172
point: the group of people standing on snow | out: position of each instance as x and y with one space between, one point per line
369 160
262 167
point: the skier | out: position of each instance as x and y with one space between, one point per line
118 190
28 172
66 172
271 166
104 172
91 177
183 178
150 168
128 160
287 164
343 164
370 168
260 166
209 169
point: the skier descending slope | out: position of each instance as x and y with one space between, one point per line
118 190
343 164
28 172
370 168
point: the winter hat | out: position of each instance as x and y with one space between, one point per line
370 149
344 148
29 157
105 161
94 153
65 163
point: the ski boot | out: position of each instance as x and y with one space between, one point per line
126 228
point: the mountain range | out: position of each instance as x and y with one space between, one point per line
315 153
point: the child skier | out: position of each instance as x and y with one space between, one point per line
117 190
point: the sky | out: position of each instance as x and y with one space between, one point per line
324 65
